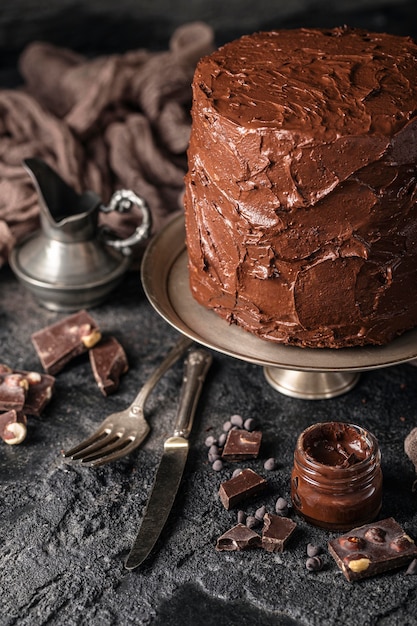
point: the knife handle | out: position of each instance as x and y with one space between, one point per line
196 366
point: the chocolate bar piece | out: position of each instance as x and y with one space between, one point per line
372 549
240 537
13 391
276 532
108 361
41 387
24 390
13 426
246 484
57 344
241 445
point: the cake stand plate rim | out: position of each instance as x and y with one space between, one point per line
164 275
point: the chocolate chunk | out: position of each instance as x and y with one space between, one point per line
41 387
13 426
276 532
57 344
108 361
241 445
13 391
372 549
246 484
240 537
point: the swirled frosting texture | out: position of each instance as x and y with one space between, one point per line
301 202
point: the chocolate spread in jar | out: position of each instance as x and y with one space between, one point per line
336 479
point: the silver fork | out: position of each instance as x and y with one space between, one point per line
122 432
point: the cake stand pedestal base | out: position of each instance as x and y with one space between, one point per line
310 385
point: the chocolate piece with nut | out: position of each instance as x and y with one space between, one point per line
276 532
108 361
39 393
240 537
13 427
372 549
246 484
13 391
241 445
57 344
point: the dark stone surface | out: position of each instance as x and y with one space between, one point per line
66 529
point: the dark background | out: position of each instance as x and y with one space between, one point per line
104 26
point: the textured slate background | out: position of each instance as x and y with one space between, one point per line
65 530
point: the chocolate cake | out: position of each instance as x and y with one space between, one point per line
300 202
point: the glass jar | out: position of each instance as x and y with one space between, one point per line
336 480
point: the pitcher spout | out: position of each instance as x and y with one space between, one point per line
65 215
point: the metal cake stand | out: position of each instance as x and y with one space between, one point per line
307 373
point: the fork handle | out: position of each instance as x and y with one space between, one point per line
173 355
197 365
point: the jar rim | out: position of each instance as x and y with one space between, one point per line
370 450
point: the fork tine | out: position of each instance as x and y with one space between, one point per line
111 453
96 437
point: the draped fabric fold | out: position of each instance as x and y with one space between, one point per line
111 122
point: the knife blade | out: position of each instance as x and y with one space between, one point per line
169 474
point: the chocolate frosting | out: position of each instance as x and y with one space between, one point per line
300 201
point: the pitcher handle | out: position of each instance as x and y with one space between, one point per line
122 201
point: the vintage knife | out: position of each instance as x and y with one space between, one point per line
171 467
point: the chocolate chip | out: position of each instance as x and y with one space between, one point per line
210 441
249 424
222 440
227 426
251 521
237 471
213 453
236 420
241 517
314 564
412 568
313 550
217 465
281 506
260 513
270 464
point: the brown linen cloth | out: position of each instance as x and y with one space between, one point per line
113 122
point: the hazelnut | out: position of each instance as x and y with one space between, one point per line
13 427
33 378
358 564
90 339
352 543
375 535
401 544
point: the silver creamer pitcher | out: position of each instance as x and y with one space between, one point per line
72 262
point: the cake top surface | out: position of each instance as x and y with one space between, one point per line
348 80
